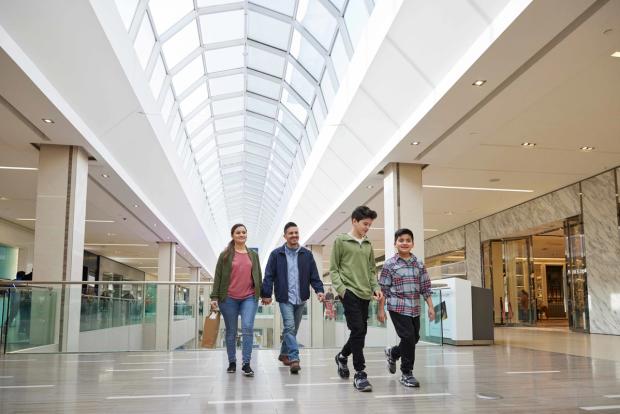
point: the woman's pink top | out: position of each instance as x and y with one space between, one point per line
241 283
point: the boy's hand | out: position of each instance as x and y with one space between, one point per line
320 296
378 295
381 316
431 313
266 301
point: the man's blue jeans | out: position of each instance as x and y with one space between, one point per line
291 318
231 309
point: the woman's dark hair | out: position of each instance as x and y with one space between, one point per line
289 225
401 232
230 249
363 212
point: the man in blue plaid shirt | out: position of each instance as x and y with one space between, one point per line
403 280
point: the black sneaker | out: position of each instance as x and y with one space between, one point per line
232 367
408 380
343 369
247 371
391 363
360 382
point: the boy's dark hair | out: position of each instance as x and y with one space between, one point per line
401 232
363 212
288 226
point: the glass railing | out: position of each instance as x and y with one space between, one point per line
432 330
115 316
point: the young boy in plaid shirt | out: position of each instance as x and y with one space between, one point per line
403 280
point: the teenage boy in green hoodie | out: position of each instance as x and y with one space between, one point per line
353 272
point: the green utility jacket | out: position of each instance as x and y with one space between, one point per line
222 276
352 266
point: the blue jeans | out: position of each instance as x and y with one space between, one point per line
291 318
231 309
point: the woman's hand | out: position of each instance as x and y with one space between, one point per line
214 304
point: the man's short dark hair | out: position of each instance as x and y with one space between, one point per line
288 226
363 212
401 232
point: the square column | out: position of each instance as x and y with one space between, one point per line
59 240
165 296
316 307
403 207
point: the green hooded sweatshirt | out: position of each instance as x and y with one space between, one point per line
352 266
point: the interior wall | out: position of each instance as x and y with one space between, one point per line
601 234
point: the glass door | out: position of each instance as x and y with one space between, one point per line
517 295
493 279
576 276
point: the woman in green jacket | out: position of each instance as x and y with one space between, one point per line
236 290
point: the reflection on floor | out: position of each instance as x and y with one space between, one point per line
453 380
562 341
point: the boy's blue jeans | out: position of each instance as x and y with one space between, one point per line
231 309
291 318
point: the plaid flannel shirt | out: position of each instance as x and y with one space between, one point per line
402 282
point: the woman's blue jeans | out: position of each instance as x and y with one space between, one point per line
231 309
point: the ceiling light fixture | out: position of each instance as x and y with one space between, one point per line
479 82
415 143
450 187
528 144
448 213
100 221
3 198
47 120
26 219
118 244
136 205
370 187
7 167
616 54
431 230
104 175
586 149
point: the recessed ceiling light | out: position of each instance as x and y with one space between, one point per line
47 120
136 206
415 143
479 82
615 54
586 149
111 234
370 187
154 224
528 144
104 175
3 198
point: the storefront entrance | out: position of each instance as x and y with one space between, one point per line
539 279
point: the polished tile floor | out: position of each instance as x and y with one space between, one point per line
454 380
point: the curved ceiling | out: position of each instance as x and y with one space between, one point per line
244 87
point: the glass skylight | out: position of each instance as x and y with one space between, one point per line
244 88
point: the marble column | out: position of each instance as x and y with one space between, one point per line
59 242
473 254
602 241
165 296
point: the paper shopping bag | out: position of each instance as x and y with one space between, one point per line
211 329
